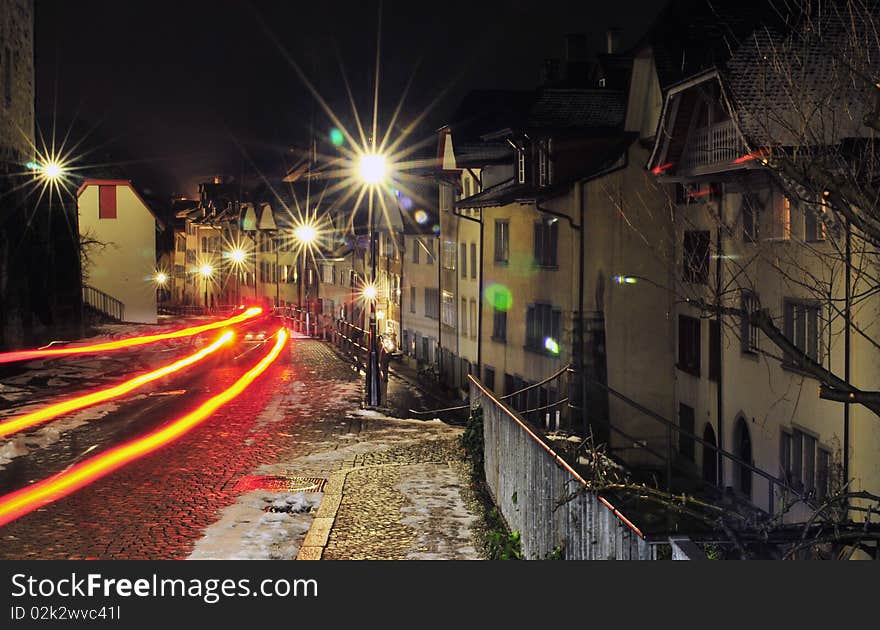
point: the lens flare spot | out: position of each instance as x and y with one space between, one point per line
551 345
436 229
336 137
498 296
421 217
406 203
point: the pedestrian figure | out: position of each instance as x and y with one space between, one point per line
384 364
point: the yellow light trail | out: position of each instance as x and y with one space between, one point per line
45 414
16 504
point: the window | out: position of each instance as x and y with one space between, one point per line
714 350
814 225
474 323
415 250
430 257
463 262
499 325
489 378
412 299
106 202
448 312
801 326
689 344
785 457
521 166
464 317
432 303
696 257
751 207
805 463
686 423
543 326
545 165
780 219
181 244
748 331
823 474
502 241
546 240
473 260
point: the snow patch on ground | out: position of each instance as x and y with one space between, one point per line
246 531
23 443
436 511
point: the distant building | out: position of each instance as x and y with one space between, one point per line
122 264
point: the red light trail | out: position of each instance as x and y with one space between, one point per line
80 402
16 504
27 355
760 153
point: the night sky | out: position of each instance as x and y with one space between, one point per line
180 90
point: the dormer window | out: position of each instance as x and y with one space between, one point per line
545 164
520 165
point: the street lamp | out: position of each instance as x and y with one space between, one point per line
161 280
373 168
305 234
206 271
238 257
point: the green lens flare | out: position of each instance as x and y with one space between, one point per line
336 137
498 296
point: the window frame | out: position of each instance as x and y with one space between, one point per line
502 241
695 323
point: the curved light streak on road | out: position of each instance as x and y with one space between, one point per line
28 355
45 414
21 502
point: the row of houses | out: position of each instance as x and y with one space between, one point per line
638 239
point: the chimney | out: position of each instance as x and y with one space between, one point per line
612 40
577 58
550 71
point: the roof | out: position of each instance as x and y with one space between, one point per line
120 182
607 152
692 35
768 104
485 111
578 108
479 154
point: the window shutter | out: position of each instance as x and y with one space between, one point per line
106 202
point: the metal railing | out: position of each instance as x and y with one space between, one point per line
546 403
185 310
715 144
541 496
103 303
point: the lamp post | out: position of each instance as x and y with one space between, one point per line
238 257
373 169
206 271
161 281
305 234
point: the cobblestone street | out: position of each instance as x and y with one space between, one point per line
393 490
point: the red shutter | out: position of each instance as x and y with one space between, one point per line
106 202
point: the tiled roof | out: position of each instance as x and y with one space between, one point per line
824 92
692 35
578 108
478 154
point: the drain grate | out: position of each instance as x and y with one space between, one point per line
280 483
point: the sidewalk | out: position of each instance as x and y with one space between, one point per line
364 485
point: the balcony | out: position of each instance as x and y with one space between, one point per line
714 145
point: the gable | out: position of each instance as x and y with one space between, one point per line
108 202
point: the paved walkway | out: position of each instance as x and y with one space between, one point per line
395 488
